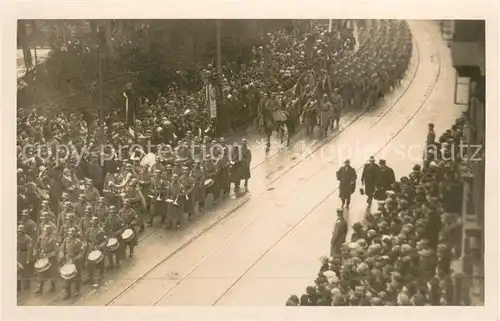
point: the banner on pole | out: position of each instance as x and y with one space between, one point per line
212 100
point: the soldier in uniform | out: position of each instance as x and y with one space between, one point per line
71 222
157 195
73 251
347 176
86 220
96 240
235 167
45 220
91 192
325 114
337 106
131 220
46 208
114 227
175 209
187 183
223 163
30 227
101 209
46 246
246 159
81 205
144 180
24 257
211 171
199 177
136 201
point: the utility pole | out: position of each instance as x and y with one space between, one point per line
221 108
330 26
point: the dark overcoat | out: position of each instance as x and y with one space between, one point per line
347 177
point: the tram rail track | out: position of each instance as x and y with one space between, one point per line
316 146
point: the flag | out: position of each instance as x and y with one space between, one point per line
131 132
126 107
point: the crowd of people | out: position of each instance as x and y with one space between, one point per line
402 253
83 199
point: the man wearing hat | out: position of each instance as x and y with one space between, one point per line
246 160
91 192
24 256
46 247
187 184
369 178
96 240
114 227
339 234
385 179
347 176
157 196
72 251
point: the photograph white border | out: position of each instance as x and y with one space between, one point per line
231 9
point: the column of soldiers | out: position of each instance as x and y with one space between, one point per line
93 230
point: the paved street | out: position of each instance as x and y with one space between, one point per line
269 245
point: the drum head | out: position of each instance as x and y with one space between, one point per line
95 255
127 234
41 263
68 271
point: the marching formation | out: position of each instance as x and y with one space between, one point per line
401 254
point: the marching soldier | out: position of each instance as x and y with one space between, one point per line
86 220
131 220
24 257
96 240
73 251
45 220
30 227
175 209
235 167
187 184
91 192
199 177
136 200
347 176
157 195
46 246
325 114
71 222
246 160
46 208
81 205
114 227
211 171
337 106
101 209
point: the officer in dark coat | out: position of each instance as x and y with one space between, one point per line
369 178
385 180
347 176
339 234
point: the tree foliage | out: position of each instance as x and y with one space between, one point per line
153 55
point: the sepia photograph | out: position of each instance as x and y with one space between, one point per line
251 162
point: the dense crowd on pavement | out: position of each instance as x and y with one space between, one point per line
402 253
82 200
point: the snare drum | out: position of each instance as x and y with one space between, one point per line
95 257
42 265
128 235
68 271
208 183
169 201
112 244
